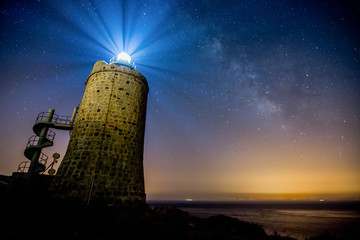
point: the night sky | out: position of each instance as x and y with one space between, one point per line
245 96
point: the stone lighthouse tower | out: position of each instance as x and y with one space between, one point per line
104 159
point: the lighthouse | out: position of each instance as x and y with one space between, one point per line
104 158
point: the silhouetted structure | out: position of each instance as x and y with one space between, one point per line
29 178
44 138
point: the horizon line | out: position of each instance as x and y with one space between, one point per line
349 196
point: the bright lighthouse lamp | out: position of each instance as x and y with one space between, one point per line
124 56
123 59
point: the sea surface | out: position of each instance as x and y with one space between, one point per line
297 219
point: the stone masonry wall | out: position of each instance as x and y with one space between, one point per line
104 158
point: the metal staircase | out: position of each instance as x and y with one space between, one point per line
44 138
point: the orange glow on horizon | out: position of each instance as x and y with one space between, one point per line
274 170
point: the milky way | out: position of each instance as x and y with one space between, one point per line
245 96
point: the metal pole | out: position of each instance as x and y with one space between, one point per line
90 191
73 115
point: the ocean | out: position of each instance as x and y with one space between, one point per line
297 219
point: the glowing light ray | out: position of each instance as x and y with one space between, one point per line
150 37
170 56
153 67
133 18
62 19
99 21
133 32
146 43
124 28
109 35
178 117
111 23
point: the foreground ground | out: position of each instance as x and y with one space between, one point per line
46 218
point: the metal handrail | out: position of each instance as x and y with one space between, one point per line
33 140
57 119
50 135
43 159
24 166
